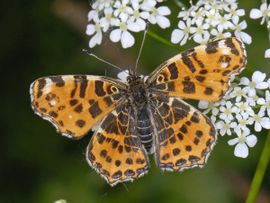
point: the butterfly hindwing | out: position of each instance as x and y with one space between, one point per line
184 136
74 103
115 150
201 73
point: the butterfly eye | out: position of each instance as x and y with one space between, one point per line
160 78
114 89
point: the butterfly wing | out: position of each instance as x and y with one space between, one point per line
201 73
115 151
74 103
184 136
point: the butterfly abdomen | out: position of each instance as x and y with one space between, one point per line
145 130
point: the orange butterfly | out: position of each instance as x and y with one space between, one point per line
143 116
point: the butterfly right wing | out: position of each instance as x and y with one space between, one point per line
74 103
201 73
115 150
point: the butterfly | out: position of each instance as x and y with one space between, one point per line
143 115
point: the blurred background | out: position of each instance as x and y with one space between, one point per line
45 37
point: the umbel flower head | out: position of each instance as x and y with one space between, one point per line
122 18
210 19
245 108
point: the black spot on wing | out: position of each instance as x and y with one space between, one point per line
95 110
173 71
186 60
58 80
99 90
40 86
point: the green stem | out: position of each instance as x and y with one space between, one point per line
260 171
162 40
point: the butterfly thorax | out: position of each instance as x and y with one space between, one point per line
137 91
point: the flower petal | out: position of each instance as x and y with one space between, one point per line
233 141
177 35
255 13
265 122
163 22
127 40
115 35
251 140
90 29
163 10
262 85
267 53
258 76
241 150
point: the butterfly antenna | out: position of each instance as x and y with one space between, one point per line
100 59
140 51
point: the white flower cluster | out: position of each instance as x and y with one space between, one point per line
245 106
122 17
264 13
210 18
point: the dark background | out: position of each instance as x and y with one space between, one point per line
45 37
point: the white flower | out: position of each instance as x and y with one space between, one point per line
181 35
267 53
212 17
219 33
244 108
252 100
227 111
234 12
209 106
138 16
200 31
184 14
265 102
225 127
238 27
95 30
123 10
108 19
225 21
238 92
122 32
243 120
157 15
197 14
257 82
242 142
263 12
260 121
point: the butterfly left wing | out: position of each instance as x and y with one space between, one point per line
74 103
115 150
201 73
184 136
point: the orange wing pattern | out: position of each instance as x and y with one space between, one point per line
115 151
74 103
184 136
202 72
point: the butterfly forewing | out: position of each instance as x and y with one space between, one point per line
74 103
185 137
202 72
115 151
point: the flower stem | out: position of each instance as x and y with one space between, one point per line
260 171
161 39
